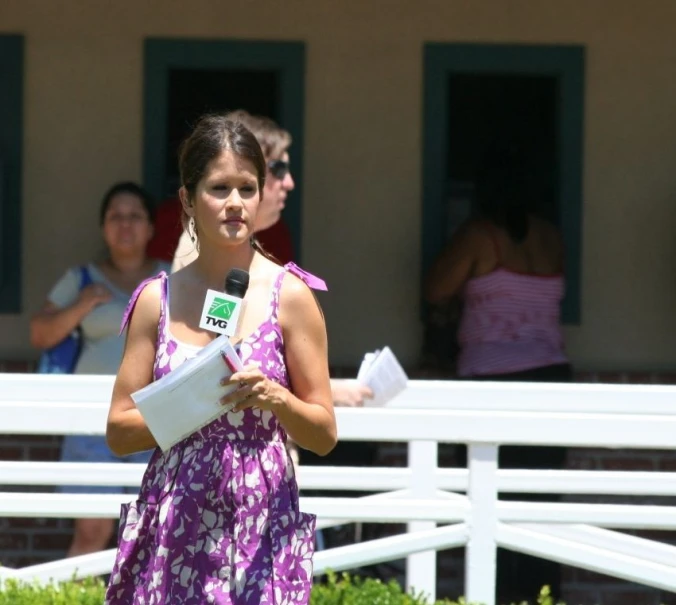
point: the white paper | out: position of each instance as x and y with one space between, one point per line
188 398
382 372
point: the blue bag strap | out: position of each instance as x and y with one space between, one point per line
85 278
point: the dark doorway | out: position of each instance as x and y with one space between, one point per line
483 111
185 78
194 92
508 110
530 94
11 137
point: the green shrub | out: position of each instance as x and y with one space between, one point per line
87 592
346 590
343 590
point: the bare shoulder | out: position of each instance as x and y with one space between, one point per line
473 235
295 294
147 307
300 315
151 293
298 304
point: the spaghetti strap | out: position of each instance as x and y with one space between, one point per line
312 281
134 297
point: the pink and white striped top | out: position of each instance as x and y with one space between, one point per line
510 323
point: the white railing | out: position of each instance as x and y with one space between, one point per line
482 415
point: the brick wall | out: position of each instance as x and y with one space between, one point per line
29 541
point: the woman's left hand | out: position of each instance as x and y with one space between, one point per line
254 390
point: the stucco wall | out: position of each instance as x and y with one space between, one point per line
362 189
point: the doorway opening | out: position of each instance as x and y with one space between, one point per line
186 78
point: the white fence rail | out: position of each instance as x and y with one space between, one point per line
482 415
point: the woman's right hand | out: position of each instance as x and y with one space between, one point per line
93 295
52 324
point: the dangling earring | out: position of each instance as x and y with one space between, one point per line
192 230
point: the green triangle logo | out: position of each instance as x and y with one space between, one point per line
221 308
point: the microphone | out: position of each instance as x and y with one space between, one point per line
237 283
221 311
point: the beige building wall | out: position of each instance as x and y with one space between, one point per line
362 190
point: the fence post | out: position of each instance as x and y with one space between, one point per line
480 558
421 568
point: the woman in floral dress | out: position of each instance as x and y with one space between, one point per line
217 518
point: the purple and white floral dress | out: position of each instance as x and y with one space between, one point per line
217 517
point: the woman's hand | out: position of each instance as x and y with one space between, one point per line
349 394
254 389
52 324
93 295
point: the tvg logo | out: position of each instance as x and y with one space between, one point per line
219 323
221 308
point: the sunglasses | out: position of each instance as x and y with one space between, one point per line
278 168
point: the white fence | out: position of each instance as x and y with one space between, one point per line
429 499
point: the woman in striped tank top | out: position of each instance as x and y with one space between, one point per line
506 265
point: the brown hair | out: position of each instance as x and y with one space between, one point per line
273 139
212 135
130 188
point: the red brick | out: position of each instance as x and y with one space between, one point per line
567 574
52 541
40 440
24 561
18 367
448 455
668 462
627 463
11 452
13 541
449 589
450 569
612 377
585 377
668 598
642 378
630 596
577 462
38 524
391 529
392 455
667 378
587 452
576 577
584 576
580 596
44 454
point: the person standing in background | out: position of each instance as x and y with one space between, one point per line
126 220
506 267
